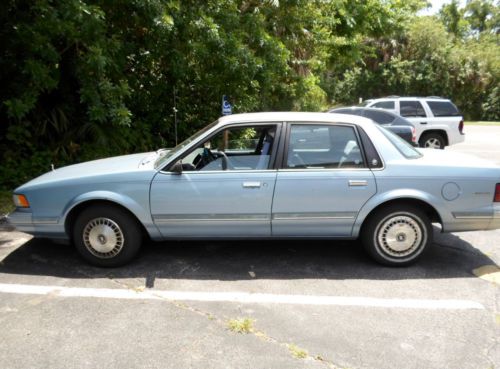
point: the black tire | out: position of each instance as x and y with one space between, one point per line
107 235
397 235
432 140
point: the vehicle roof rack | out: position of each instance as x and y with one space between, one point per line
434 97
392 96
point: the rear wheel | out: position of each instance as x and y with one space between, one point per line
432 141
397 235
106 235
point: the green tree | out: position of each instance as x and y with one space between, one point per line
452 16
83 79
483 15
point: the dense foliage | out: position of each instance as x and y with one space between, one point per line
83 79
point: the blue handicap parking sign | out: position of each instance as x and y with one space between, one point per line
226 106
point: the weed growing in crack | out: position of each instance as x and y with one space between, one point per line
241 325
297 352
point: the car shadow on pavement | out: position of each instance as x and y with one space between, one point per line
449 257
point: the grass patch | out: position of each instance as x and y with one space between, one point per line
6 204
481 123
241 325
297 352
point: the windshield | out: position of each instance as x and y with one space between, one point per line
403 147
166 155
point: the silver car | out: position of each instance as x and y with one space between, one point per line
262 176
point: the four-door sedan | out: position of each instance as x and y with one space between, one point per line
262 176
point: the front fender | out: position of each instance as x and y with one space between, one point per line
398 194
141 212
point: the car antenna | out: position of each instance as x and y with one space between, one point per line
175 114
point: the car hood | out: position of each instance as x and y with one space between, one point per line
108 166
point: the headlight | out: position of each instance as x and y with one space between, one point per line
21 201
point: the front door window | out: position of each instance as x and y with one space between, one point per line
234 148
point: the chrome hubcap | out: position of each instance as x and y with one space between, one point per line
103 238
400 236
433 143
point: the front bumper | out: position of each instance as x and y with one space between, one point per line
24 221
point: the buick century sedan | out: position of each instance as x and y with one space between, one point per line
266 176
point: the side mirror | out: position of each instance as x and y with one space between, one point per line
177 167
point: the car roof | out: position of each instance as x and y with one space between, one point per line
432 98
366 109
295 117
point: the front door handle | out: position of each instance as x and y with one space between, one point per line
357 183
251 184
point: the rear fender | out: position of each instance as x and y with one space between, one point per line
399 195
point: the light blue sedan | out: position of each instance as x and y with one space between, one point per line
262 176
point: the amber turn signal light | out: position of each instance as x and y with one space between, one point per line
21 201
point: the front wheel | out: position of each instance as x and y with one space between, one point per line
106 235
397 235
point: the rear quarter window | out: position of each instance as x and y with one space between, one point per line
443 109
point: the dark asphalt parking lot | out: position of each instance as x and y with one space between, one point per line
307 304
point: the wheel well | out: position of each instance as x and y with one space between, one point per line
73 214
441 132
419 204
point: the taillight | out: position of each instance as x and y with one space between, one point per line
413 134
496 198
461 126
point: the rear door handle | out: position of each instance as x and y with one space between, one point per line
423 122
357 183
251 184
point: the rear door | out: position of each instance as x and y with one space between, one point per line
323 182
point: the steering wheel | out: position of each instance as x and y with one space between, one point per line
203 159
226 163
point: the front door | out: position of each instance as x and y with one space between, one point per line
225 188
323 184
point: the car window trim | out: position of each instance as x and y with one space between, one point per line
364 139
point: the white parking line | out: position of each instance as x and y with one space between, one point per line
241 297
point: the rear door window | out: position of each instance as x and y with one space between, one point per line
379 116
411 109
317 146
443 108
347 111
384 105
